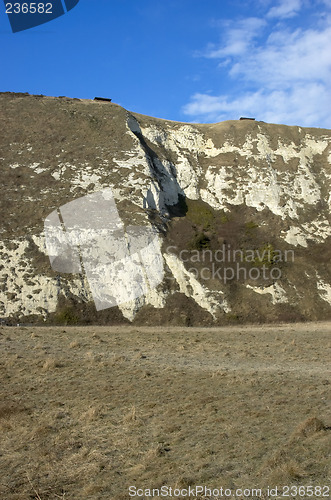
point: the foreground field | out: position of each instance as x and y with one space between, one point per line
87 412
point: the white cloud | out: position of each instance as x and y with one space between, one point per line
285 9
288 58
304 105
237 38
289 75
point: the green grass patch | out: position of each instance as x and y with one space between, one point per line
199 213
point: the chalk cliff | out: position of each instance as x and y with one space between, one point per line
241 210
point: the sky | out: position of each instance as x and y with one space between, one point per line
186 60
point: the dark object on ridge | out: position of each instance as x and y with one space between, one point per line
244 118
102 99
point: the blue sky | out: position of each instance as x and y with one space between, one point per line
185 60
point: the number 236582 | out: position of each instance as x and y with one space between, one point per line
29 8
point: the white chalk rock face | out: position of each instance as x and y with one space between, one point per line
88 213
120 265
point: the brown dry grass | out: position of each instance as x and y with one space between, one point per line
87 412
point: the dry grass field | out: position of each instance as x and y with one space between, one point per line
86 412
